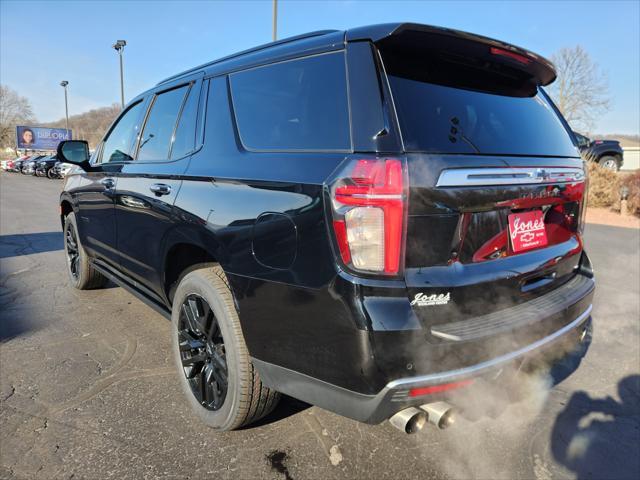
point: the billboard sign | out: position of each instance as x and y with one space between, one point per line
40 138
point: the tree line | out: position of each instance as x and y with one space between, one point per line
89 126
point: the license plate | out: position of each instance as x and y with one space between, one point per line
527 231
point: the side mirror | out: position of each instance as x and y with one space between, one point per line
75 152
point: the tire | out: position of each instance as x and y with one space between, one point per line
50 174
609 162
244 399
81 274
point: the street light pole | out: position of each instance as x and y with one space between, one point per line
119 47
64 84
275 20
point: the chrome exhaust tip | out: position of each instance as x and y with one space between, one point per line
410 420
440 414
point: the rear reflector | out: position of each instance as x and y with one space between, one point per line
418 392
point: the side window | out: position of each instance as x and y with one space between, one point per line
184 141
294 105
118 146
160 125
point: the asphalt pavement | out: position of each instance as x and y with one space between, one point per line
88 388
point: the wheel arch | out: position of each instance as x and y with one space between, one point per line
180 259
66 207
610 153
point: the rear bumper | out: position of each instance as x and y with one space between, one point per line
395 395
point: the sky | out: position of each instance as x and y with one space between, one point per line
42 43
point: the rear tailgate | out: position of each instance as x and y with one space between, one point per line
484 147
459 248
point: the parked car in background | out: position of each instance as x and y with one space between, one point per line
29 166
7 165
45 166
352 218
14 165
17 163
20 165
607 153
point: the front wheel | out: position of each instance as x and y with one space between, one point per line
610 163
50 174
82 275
214 366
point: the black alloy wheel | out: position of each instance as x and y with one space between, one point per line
202 352
73 253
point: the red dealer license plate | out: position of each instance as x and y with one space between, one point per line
526 230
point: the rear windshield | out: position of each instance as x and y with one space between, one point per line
440 118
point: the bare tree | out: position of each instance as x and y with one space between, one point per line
14 110
581 91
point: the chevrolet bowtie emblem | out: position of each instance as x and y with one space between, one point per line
542 174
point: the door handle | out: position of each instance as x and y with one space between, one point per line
108 183
160 189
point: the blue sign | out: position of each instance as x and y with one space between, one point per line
40 138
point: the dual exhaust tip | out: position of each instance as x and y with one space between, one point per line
412 419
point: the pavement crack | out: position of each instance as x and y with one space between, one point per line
11 393
44 426
331 449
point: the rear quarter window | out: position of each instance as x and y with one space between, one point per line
296 105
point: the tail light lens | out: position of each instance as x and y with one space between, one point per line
585 200
368 206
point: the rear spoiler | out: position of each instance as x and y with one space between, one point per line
540 70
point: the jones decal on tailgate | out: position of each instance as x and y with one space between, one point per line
527 230
422 300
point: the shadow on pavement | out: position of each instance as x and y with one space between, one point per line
287 407
14 324
29 243
600 437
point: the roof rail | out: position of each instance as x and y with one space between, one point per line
250 50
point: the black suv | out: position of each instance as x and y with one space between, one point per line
44 166
365 220
607 153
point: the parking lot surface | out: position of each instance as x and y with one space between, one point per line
88 389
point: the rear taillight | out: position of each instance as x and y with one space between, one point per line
368 207
583 204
